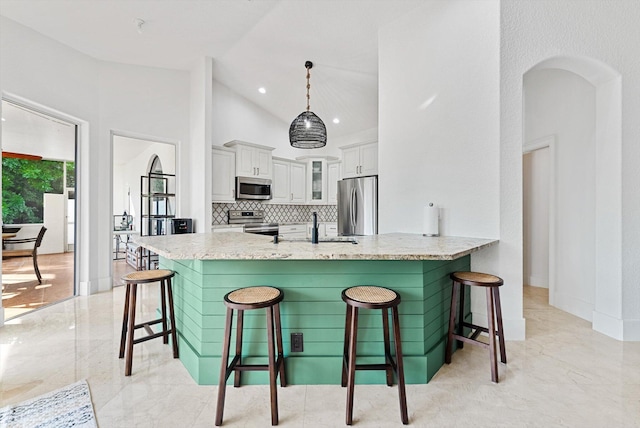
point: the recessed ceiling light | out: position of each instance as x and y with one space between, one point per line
262 90
336 120
3 119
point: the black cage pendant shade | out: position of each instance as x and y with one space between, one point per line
307 131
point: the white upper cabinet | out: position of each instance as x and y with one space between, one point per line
223 173
252 160
298 182
359 160
317 178
333 176
289 182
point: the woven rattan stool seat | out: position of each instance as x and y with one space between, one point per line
371 294
253 295
477 278
143 276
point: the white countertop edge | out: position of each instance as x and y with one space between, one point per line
233 246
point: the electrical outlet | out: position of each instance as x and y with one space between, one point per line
297 344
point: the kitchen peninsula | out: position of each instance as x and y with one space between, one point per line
312 277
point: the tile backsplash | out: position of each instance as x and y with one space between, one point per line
275 213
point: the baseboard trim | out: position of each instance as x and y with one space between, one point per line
608 325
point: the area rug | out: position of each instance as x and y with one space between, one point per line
65 407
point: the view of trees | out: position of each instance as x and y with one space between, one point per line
23 184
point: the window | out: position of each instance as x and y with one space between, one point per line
25 181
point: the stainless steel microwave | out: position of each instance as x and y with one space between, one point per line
253 188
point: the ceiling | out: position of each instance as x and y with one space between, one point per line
259 43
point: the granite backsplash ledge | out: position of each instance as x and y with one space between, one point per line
276 213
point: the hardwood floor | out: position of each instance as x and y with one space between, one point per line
21 292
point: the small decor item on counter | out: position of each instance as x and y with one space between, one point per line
431 218
307 131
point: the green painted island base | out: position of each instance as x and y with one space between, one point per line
313 306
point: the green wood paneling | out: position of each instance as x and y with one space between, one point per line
313 306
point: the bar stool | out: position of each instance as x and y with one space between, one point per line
494 314
372 297
244 299
129 318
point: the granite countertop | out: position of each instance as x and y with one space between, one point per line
247 246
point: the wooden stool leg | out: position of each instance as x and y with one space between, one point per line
496 298
404 415
387 346
224 360
272 367
163 302
351 376
492 336
283 376
461 290
131 330
125 318
345 352
452 322
172 319
237 374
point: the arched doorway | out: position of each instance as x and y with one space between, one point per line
574 105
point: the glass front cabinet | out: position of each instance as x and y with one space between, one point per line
317 178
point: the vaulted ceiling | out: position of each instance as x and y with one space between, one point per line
259 43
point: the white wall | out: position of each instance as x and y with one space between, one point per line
531 32
439 134
562 104
535 171
101 97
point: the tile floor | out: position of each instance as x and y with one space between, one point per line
563 375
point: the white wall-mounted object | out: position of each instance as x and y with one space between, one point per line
317 177
289 182
223 173
252 160
359 160
333 176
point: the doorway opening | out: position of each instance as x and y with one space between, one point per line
571 158
135 159
38 208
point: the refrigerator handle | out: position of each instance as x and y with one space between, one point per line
354 208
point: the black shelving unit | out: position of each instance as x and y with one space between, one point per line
158 204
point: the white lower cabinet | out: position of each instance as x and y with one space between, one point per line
325 230
239 228
292 231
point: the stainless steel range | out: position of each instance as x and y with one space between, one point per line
253 221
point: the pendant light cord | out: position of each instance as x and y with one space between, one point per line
308 86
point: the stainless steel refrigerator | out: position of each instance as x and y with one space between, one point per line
358 206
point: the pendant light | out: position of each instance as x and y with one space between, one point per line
307 131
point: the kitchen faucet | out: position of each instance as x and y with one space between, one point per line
314 229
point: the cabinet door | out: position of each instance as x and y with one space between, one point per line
369 159
321 230
262 163
244 161
223 171
280 184
317 181
350 162
331 229
297 183
333 175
